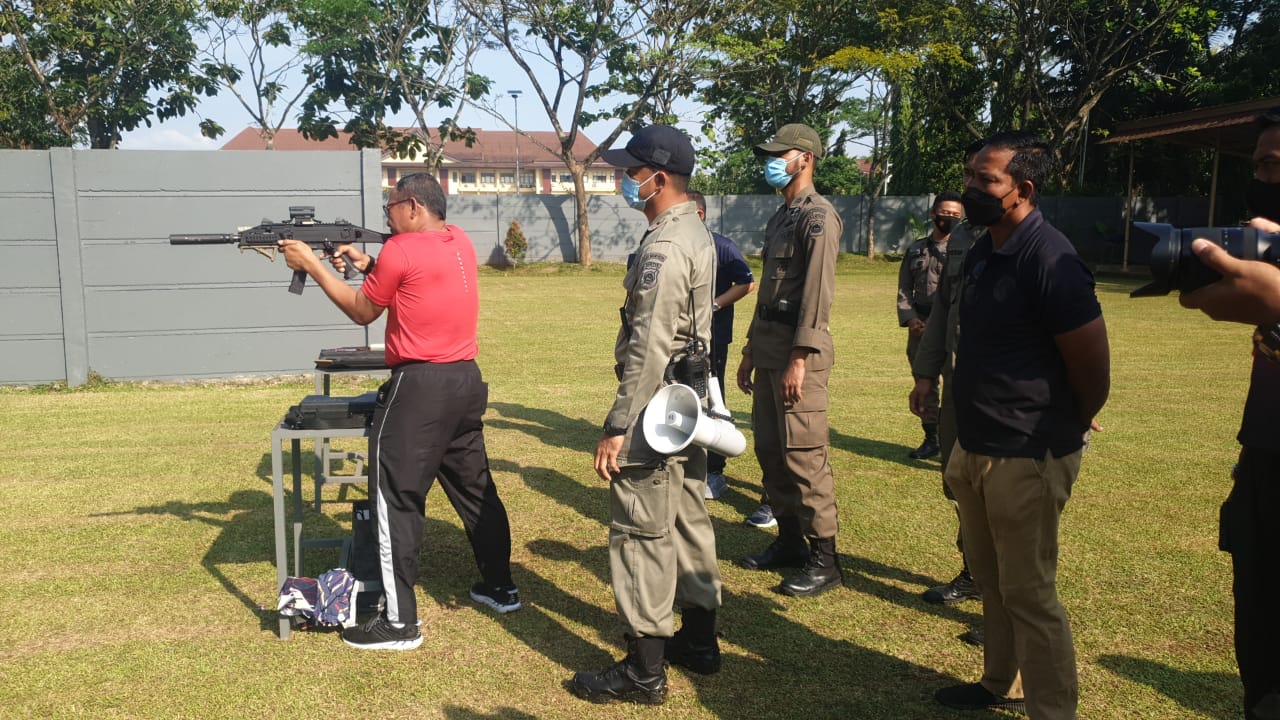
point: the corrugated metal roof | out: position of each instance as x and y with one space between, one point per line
1227 127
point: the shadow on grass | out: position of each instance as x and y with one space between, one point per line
880 450
1213 694
247 536
807 673
548 426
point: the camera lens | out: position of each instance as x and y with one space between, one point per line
1175 267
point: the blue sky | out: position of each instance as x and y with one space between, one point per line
184 133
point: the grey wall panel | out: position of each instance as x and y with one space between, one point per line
30 361
893 218
30 312
853 213
38 262
143 171
477 216
616 228
215 354
26 219
200 309
744 217
25 171
156 263
159 216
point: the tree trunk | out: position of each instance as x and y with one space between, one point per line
584 227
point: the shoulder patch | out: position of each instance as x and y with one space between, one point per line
650 264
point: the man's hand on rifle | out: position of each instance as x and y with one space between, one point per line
299 256
350 253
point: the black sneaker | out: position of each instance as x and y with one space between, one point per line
504 600
379 634
974 696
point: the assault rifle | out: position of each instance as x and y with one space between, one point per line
302 226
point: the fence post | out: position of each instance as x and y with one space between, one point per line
66 230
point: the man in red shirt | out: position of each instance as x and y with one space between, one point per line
428 418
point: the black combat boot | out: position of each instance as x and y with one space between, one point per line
694 646
957 591
640 677
820 573
787 551
930 446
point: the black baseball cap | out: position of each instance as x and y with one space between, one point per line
657 146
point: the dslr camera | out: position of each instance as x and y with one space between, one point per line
1175 267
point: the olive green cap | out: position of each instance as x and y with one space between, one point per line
793 136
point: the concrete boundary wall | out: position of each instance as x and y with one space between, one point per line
95 286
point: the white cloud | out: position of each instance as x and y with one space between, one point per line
173 135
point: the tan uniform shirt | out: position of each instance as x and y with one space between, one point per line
797 285
937 351
669 293
918 278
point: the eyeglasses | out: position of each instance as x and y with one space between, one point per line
386 209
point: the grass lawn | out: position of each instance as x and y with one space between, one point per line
136 538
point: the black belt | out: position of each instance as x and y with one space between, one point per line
786 317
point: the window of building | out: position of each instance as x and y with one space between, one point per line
508 178
468 178
566 178
526 179
391 176
600 179
486 178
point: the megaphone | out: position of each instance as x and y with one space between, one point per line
674 418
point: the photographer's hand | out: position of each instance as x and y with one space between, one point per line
1249 291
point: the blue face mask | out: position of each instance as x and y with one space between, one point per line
775 172
631 191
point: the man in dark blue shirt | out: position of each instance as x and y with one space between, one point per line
1250 293
734 281
1032 370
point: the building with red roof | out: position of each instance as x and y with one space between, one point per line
487 166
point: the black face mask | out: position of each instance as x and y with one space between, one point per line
944 224
1263 198
983 208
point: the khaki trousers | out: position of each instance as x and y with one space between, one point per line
662 548
791 447
947 440
931 401
1009 512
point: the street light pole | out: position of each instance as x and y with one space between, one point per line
515 98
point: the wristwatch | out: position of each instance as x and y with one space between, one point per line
613 431
368 268
715 306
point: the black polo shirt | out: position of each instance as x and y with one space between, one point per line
1013 398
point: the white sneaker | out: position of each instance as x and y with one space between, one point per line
715 485
762 517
